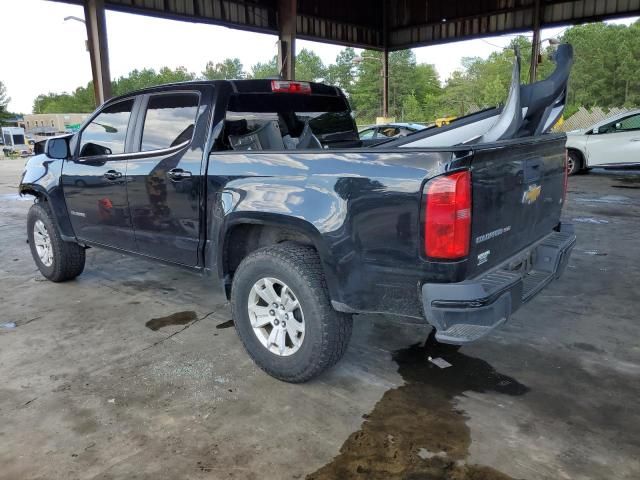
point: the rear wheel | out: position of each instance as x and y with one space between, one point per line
283 315
574 162
56 259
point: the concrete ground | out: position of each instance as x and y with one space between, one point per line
130 372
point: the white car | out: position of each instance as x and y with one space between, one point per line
614 142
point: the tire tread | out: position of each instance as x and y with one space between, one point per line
68 257
336 326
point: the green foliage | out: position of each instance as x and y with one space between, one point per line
343 72
80 101
607 62
148 77
309 66
4 102
228 69
265 69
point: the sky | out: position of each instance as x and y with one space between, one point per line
55 59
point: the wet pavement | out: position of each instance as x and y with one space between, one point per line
133 371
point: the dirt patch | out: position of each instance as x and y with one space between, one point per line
179 318
415 431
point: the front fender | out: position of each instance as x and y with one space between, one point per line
41 178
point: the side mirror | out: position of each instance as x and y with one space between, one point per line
618 126
57 148
596 130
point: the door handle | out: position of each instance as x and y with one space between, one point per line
178 174
112 175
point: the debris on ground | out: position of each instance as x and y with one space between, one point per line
594 221
439 362
8 325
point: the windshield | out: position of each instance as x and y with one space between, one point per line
267 121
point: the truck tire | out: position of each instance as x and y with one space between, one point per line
56 259
282 313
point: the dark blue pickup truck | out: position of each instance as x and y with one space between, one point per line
263 186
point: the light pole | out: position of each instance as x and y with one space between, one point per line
385 80
96 25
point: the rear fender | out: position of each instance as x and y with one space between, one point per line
221 230
41 178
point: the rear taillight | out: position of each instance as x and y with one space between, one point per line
286 86
447 225
565 185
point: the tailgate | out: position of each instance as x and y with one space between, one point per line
518 192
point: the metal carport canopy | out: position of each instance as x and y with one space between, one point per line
361 23
385 25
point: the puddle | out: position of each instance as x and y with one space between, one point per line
587 347
179 318
416 431
632 179
227 324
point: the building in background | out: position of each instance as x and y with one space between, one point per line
48 124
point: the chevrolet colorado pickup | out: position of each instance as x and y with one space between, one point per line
264 187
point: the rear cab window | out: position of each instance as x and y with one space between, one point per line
266 120
169 120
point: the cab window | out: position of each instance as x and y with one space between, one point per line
390 132
367 134
630 123
169 120
106 133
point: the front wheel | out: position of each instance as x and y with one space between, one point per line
574 163
56 259
283 315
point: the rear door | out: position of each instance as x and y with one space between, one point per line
616 143
165 178
93 179
518 192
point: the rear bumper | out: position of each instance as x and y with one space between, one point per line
466 311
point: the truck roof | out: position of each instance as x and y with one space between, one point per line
238 86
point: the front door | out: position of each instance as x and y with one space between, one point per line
616 143
94 179
164 178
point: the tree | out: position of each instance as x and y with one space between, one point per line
265 69
148 77
342 73
228 69
411 110
4 102
309 66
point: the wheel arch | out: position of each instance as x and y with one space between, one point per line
59 212
246 233
581 154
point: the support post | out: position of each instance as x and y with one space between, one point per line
98 47
287 22
385 83
535 43
385 61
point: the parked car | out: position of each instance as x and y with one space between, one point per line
613 142
377 133
298 224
